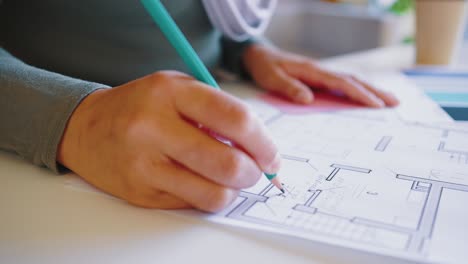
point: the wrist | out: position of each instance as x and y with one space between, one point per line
78 124
252 56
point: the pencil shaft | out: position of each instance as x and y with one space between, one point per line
177 39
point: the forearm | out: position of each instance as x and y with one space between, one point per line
35 106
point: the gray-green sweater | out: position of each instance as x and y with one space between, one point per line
53 53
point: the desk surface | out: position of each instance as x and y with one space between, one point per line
43 220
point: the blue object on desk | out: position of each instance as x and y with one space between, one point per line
457 113
449 97
446 87
435 73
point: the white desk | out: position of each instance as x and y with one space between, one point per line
44 221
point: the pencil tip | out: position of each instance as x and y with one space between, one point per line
282 190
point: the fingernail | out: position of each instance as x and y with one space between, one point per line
304 97
377 102
394 100
274 165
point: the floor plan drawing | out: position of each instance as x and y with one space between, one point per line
383 143
360 181
397 212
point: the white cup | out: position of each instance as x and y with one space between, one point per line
439 30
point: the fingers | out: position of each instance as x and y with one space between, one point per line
289 87
355 91
231 119
191 188
288 75
388 98
352 87
316 77
206 156
160 200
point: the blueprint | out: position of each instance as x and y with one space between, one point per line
378 181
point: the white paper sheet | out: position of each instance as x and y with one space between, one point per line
366 179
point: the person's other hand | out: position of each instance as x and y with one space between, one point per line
141 142
293 76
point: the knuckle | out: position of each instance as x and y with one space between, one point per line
209 100
218 199
308 64
129 180
345 82
168 76
150 89
131 127
239 172
136 187
243 118
161 76
232 167
161 79
164 75
350 79
134 125
271 80
293 90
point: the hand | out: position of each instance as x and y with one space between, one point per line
291 76
141 142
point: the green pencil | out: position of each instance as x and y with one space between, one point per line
177 39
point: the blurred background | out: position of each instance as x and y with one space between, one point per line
324 28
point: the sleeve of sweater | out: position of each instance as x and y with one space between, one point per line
35 106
